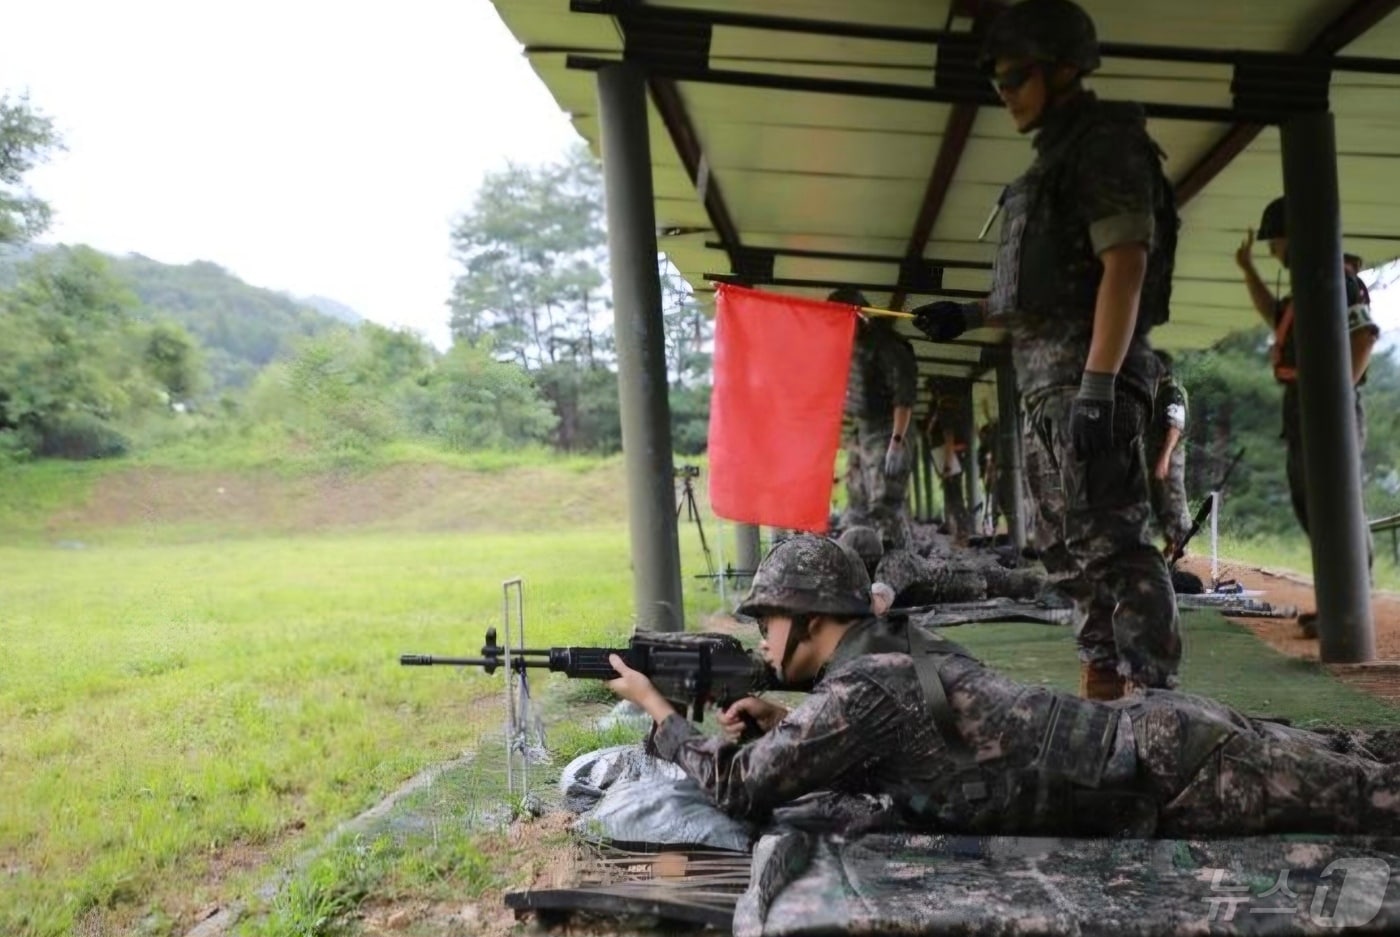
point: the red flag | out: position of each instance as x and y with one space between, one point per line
775 413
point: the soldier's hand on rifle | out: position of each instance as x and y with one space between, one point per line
634 687
896 457
766 714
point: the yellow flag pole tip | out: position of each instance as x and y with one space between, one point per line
891 313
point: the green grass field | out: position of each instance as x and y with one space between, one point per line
198 686
182 704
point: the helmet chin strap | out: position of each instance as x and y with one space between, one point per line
799 631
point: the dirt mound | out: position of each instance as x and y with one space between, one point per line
404 497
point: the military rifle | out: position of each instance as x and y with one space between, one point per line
689 670
1203 511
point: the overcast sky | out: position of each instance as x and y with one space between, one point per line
309 146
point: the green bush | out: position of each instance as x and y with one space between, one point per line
81 436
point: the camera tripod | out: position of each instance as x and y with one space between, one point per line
687 503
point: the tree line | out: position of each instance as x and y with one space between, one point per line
103 355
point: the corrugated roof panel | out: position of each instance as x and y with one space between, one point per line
710 102
1265 25
819 150
961 249
731 43
821 204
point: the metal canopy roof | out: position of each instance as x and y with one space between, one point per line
804 144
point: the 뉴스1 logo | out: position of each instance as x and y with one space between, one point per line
1350 893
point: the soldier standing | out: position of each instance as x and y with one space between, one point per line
898 712
1166 456
1082 273
950 428
880 401
1278 315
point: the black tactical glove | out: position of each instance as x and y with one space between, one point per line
942 321
1091 416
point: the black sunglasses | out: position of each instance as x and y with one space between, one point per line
1013 78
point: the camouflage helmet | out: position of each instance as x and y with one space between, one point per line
1055 31
809 575
1274 224
865 543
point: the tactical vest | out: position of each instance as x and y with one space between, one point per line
1046 267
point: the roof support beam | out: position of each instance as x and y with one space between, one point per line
875 89
1332 39
667 98
833 284
1354 23
863 258
957 130
956 133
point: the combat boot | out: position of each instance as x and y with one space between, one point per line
1307 624
1100 683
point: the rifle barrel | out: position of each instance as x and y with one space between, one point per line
429 660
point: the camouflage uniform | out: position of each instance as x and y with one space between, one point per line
952 412
857 499
990 755
1096 183
865 543
1285 364
883 376
1169 495
917 581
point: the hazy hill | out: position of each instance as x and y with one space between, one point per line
241 327
330 307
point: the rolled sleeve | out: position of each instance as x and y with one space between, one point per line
1116 187
1128 228
903 371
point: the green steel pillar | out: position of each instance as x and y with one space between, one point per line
1336 514
641 349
